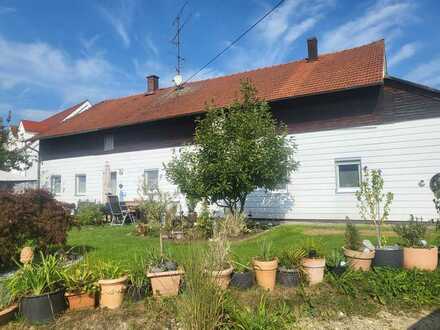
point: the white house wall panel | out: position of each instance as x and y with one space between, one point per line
408 153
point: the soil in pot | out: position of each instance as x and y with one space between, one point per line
359 260
314 269
112 292
265 273
242 280
165 284
288 277
337 270
222 277
388 256
8 314
43 308
79 301
420 258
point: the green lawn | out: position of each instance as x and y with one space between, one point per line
120 244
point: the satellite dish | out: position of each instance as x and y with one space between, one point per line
178 80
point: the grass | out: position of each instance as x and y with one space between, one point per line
120 244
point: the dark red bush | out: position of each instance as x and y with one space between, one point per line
31 215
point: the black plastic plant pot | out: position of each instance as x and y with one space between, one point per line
136 294
389 256
337 270
242 280
43 308
288 277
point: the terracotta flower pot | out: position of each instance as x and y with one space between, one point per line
112 292
78 301
420 258
223 277
8 314
314 269
359 260
266 273
165 284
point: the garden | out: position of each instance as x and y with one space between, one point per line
64 267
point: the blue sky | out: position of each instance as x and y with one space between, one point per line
57 53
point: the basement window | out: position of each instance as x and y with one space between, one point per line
348 175
109 142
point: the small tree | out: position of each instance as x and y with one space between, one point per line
374 205
11 157
236 150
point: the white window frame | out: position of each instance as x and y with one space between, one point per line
77 192
146 177
52 177
109 142
347 161
115 191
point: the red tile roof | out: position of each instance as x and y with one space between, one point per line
49 123
352 68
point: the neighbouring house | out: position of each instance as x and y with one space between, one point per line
343 109
24 136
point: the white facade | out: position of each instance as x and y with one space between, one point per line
408 153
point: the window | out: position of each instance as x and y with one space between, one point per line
80 184
113 182
151 178
55 184
348 175
108 142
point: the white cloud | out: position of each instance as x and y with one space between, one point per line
299 29
120 18
7 10
383 19
405 52
426 73
40 65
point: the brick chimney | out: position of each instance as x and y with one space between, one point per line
152 84
312 47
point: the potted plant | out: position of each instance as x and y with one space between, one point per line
8 308
335 262
417 253
113 284
243 277
137 280
39 288
374 205
358 256
164 274
219 257
265 266
81 286
290 270
314 263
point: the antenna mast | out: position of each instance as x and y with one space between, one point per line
177 42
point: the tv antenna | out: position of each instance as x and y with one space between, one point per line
177 42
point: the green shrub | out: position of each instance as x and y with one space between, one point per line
264 316
204 227
233 225
5 296
291 258
352 238
412 233
109 270
266 252
80 278
31 215
90 214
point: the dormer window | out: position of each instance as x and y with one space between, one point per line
108 142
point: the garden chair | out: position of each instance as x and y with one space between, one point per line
119 212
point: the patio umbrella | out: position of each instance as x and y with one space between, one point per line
106 182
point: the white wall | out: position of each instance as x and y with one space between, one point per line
407 152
